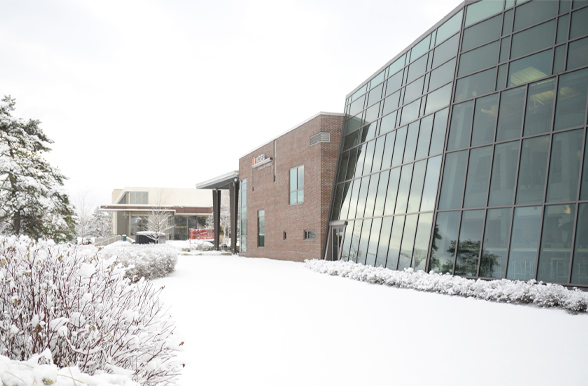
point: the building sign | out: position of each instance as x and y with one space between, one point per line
260 160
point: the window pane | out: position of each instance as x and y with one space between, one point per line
504 169
371 114
578 53
507 24
501 77
562 29
293 179
570 110
371 195
353 124
439 128
470 239
580 266
410 112
414 90
373 245
431 183
445 51
403 189
363 241
378 152
564 166
481 33
579 26
530 68
388 150
532 170
369 157
559 58
424 137
347 241
478 177
442 75
495 243
504 50
584 191
388 123
524 243
539 107
391 104
381 194
392 191
407 242
421 243
478 59
383 242
411 141
352 164
532 39
300 177
357 106
556 243
395 240
394 82
474 85
420 48
450 27
360 160
534 12
399 146
417 69
461 123
485 120
510 119
300 196
444 237
482 10
375 95
353 198
453 180
355 241
438 99
363 191
416 188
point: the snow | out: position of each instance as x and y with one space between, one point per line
266 322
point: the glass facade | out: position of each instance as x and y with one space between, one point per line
467 153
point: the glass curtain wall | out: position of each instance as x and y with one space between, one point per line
469 149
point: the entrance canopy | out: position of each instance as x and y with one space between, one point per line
228 181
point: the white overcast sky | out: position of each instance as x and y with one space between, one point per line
171 93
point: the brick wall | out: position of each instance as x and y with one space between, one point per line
268 189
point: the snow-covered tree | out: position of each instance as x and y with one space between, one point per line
32 202
100 224
159 222
83 215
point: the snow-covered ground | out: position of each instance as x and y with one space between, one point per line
266 322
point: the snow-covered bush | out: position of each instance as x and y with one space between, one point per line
201 245
506 291
81 308
149 261
30 372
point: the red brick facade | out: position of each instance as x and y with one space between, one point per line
268 188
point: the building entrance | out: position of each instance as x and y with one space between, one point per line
335 240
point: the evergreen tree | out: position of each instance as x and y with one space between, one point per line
100 224
31 200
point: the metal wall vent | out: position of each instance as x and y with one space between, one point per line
320 137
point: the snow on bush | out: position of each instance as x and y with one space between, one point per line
81 308
506 291
149 261
30 372
201 245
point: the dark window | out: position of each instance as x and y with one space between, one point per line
308 235
532 170
533 39
478 59
510 118
481 33
579 25
539 110
570 109
578 54
444 239
533 12
562 29
485 115
261 228
495 244
504 170
556 243
475 85
524 243
564 166
469 243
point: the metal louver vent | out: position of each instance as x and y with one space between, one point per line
320 137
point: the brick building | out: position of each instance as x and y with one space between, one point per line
285 191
